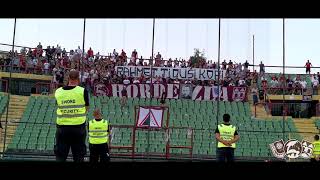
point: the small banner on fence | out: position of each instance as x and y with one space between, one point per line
150 117
179 73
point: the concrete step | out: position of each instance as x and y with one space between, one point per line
308 131
17 104
14 110
305 124
10 120
9 131
306 127
13 116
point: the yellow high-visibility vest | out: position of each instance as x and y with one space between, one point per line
71 106
316 149
98 131
227 134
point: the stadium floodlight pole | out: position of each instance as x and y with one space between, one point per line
219 46
283 69
83 42
151 67
152 51
9 87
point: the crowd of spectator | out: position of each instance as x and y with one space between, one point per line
98 68
290 85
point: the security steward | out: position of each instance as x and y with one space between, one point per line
227 136
98 138
316 149
73 104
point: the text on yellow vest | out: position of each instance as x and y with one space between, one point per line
316 148
98 131
71 106
226 133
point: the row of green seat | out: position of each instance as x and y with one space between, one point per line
30 135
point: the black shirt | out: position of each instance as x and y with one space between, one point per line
217 130
86 94
246 64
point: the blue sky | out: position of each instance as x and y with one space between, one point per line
177 37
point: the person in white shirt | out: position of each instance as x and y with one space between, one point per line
97 56
46 66
162 63
83 78
242 82
254 92
114 53
296 80
79 50
54 72
315 83
35 61
23 51
274 84
303 84
314 78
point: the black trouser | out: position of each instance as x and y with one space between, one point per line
73 137
225 154
99 151
313 160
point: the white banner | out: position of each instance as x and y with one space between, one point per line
173 73
150 117
174 91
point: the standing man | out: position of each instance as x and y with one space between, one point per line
73 104
98 138
123 100
227 136
316 149
308 67
262 71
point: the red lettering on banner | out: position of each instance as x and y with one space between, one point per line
176 91
207 92
198 93
116 90
144 90
172 91
158 89
132 90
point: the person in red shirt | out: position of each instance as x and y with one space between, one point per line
90 52
308 67
34 52
65 62
134 56
22 62
123 55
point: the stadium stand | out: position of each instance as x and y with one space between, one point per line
36 129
